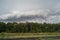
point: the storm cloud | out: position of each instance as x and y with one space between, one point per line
30 10
40 15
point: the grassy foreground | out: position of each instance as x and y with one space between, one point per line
27 35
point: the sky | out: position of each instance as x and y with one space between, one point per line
30 10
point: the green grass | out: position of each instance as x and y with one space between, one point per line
26 35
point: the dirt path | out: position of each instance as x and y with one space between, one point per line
34 38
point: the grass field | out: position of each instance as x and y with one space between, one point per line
27 35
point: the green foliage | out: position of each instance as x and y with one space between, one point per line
28 27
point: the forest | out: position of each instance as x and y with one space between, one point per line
29 27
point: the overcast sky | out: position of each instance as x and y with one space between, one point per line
30 10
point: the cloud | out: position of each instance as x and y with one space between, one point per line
36 15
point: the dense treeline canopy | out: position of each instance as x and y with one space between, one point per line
28 27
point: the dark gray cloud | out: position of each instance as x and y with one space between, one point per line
40 15
24 18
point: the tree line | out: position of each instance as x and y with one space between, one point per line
28 27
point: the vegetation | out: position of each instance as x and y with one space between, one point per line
28 35
28 27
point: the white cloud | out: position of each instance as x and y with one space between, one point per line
40 12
